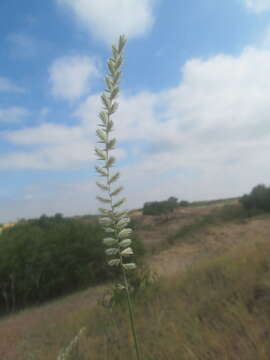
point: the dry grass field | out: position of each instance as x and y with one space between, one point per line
205 304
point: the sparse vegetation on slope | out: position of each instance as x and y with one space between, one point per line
217 310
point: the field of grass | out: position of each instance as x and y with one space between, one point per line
218 308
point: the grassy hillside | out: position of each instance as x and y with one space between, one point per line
218 308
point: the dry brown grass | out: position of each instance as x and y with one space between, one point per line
164 317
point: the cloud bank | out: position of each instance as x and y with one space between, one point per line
107 19
208 137
258 6
70 76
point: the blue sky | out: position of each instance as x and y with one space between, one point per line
194 109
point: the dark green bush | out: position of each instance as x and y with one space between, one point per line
44 258
183 203
160 207
258 199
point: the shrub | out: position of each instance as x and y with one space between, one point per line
160 207
183 203
48 257
258 199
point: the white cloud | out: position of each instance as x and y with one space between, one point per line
13 114
215 123
206 138
258 6
53 157
8 86
107 19
45 134
70 76
52 147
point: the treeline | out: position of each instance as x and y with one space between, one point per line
50 256
163 207
257 200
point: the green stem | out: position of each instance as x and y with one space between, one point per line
131 316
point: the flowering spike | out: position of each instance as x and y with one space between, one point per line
117 241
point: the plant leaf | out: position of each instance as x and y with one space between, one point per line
114 93
109 83
127 252
124 233
105 221
125 243
110 241
122 223
102 186
121 214
114 262
112 251
111 144
116 191
103 117
104 200
105 211
102 135
118 203
130 266
110 162
111 66
106 101
121 43
102 171
109 127
101 154
114 51
113 108
109 230
113 178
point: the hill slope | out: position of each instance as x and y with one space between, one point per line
39 333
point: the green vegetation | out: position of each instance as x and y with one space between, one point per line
218 310
258 200
161 207
50 256
213 202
